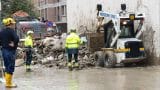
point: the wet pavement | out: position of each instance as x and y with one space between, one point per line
129 78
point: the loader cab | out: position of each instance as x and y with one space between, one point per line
127 29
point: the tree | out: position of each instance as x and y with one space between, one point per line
11 6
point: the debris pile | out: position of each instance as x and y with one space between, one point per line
52 53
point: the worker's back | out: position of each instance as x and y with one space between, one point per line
72 41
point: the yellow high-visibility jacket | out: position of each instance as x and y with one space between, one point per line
28 41
72 41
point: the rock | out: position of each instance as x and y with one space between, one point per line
49 65
54 43
60 65
60 56
50 58
19 53
56 59
85 57
34 62
47 60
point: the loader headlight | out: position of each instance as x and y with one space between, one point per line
123 7
124 22
99 7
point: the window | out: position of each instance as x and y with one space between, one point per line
127 30
63 10
46 13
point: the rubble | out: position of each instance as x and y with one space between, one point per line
19 52
52 53
47 60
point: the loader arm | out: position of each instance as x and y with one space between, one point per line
116 24
140 29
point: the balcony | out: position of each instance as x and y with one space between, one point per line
42 5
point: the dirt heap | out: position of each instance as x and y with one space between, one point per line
51 53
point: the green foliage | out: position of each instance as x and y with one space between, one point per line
11 6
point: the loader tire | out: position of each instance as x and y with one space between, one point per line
110 59
128 64
99 57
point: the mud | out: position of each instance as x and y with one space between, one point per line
129 78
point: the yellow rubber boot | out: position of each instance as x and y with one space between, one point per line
76 65
28 68
70 66
9 83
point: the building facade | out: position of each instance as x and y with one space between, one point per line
53 10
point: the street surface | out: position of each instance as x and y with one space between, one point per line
128 78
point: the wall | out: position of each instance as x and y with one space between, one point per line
82 13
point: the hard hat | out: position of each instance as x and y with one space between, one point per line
73 30
4 21
8 21
29 32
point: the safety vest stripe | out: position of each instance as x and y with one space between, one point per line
72 43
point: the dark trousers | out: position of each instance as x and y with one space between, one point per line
28 56
72 51
75 57
9 60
